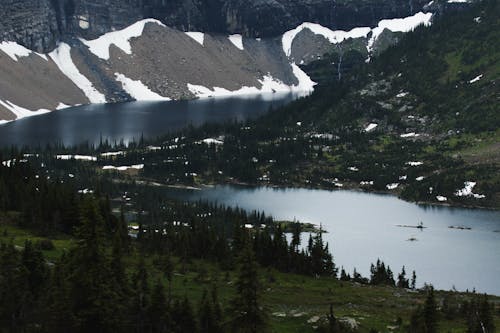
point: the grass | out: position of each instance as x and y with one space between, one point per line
292 301
10 233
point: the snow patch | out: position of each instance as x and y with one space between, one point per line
268 85
21 112
138 90
467 191
370 127
237 41
199 37
120 38
477 78
333 37
76 157
414 164
440 198
123 168
409 135
16 51
392 186
399 25
62 58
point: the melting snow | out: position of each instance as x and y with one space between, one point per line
120 38
269 85
467 191
392 186
123 168
197 36
409 135
333 37
441 198
477 78
399 25
16 51
62 58
414 163
76 157
113 153
370 127
21 112
237 40
138 90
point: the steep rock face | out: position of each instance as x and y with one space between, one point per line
39 24
30 23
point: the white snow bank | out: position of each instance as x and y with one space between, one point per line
138 90
62 58
399 25
76 157
268 85
467 191
477 78
409 135
112 153
333 37
414 164
16 51
123 168
120 38
199 37
392 186
370 127
237 41
440 198
419 179
212 141
21 112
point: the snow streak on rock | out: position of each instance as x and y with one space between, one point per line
62 58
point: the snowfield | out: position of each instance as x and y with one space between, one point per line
62 58
199 37
16 51
21 112
237 41
120 38
333 37
399 25
138 90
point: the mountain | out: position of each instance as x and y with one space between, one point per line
39 25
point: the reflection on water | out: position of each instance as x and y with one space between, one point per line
363 227
129 121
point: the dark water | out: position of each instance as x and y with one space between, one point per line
128 121
363 227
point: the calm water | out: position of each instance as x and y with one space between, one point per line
128 121
363 227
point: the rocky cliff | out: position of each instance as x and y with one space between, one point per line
39 24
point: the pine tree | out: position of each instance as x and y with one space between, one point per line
247 314
413 280
158 312
430 312
402 280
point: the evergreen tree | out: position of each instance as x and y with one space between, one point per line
247 313
430 312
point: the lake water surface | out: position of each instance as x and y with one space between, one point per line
363 227
128 121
